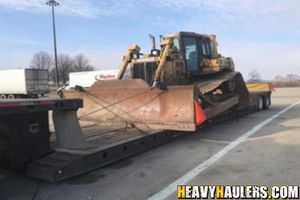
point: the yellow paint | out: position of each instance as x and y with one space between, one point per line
166 42
180 191
259 87
219 191
134 47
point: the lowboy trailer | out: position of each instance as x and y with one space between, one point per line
27 146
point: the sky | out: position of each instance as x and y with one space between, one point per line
258 34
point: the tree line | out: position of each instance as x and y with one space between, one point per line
289 80
65 65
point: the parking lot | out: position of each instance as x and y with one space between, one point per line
269 156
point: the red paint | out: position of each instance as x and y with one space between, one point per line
46 102
200 116
271 87
9 104
104 76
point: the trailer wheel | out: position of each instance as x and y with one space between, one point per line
11 96
266 102
260 103
2 96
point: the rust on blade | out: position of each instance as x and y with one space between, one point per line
133 102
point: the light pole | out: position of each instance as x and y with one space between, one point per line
53 4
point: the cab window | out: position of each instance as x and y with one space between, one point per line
191 53
176 44
206 48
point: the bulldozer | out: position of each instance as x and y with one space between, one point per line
177 87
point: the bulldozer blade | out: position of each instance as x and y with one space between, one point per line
133 102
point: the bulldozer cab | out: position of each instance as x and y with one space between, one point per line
189 55
194 50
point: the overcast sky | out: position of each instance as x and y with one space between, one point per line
258 34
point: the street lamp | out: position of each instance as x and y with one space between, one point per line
53 4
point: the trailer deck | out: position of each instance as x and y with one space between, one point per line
104 148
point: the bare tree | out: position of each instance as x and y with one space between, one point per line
254 77
81 63
65 66
41 60
289 80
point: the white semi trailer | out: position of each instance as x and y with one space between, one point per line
87 78
23 83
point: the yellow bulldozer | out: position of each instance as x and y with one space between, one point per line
183 84
175 87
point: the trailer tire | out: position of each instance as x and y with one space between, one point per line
2 96
266 102
11 96
260 103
